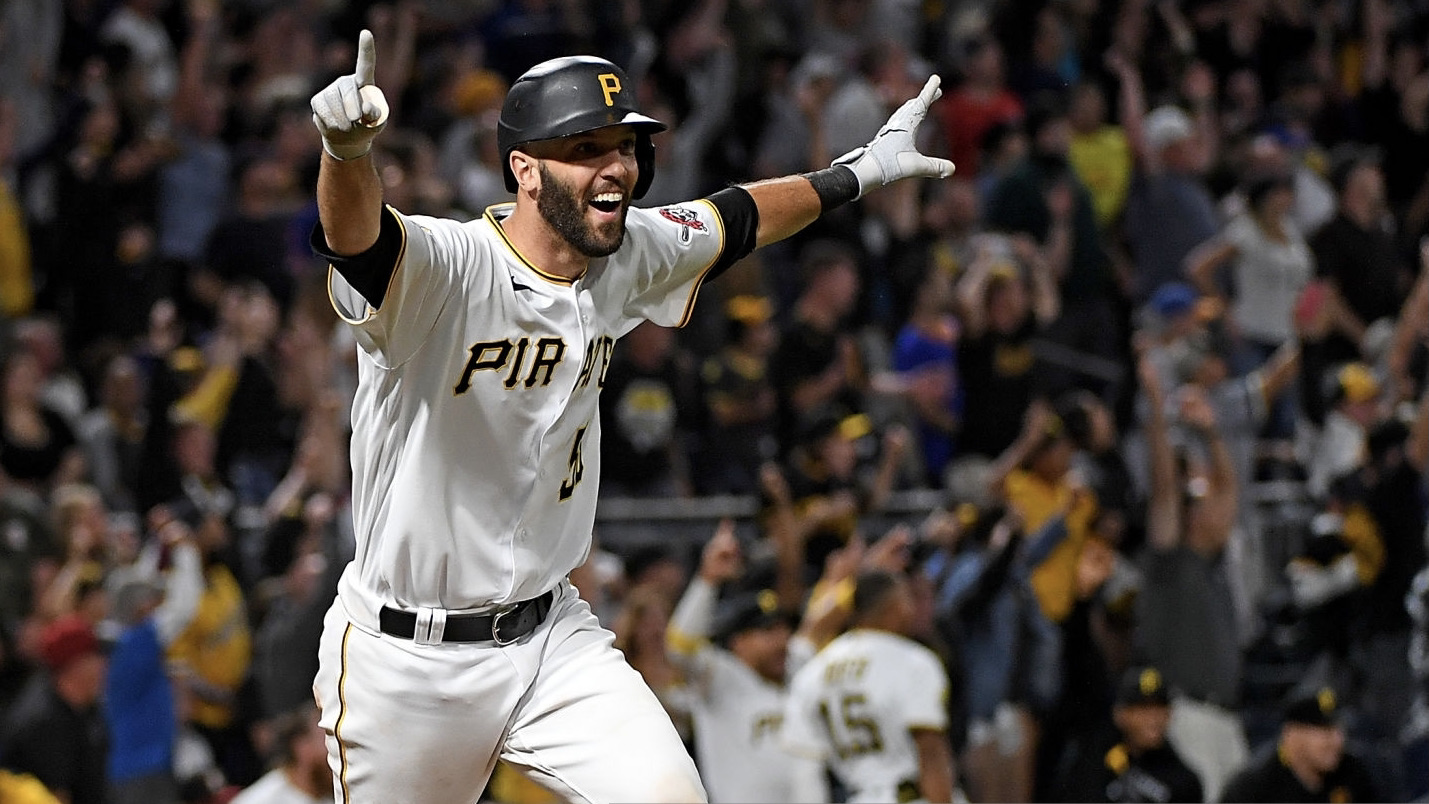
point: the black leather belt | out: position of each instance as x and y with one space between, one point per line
502 627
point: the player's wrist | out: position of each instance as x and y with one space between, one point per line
836 185
869 172
348 152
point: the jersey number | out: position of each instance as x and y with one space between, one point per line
858 734
577 467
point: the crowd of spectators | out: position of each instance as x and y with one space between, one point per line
1161 345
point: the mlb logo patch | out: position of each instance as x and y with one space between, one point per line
688 220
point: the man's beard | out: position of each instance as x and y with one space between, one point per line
558 204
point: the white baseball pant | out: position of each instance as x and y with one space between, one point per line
426 723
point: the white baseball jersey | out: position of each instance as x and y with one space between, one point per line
738 716
274 788
855 705
476 434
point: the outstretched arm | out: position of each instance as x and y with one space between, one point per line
788 531
349 113
788 204
1417 448
1211 531
936 778
1163 513
1203 263
1280 370
1131 103
184 587
693 618
1034 429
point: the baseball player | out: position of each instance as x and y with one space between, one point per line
456 638
873 703
735 658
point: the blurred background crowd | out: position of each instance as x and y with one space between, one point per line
1172 305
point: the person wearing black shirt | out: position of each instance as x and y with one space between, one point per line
1045 204
816 366
1356 253
38 450
1309 762
742 404
1140 765
643 415
1393 476
1092 427
1003 309
54 731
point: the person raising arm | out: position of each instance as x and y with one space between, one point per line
483 346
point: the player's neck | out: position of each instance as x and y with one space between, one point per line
541 245
315 785
878 625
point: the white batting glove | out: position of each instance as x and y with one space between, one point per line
892 154
351 111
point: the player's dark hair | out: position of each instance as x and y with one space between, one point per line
1346 159
1262 184
1074 407
1045 108
873 57
993 140
641 559
870 591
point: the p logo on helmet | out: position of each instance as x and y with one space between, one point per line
610 85
558 98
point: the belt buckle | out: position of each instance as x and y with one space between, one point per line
496 619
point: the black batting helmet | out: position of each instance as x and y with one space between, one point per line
570 95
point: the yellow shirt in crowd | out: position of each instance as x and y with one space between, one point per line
1054 581
24 789
215 649
1102 160
17 281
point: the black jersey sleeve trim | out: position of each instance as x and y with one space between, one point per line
740 216
369 272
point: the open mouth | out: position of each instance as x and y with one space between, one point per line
607 202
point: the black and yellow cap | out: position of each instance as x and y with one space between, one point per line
1142 686
850 427
750 611
1318 707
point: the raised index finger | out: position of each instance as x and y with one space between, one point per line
366 59
930 92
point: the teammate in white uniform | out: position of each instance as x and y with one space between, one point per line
738 684
456 638
873 703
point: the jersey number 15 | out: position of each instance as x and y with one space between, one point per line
853 733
